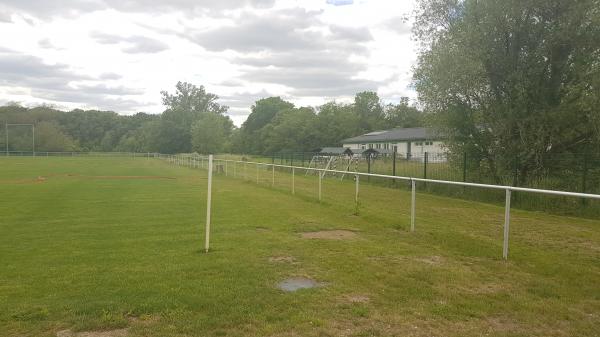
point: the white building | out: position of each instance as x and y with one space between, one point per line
409 142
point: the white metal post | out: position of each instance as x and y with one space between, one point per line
506 225
293 180
320 180
208 204
413 206
356 189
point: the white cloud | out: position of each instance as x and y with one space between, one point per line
119 55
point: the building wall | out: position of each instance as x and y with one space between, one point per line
417 147
421 147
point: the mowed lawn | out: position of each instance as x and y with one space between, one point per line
115 246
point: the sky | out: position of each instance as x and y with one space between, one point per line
120 54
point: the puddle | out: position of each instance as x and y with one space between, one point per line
297 283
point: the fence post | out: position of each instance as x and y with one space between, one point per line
425 160
208 204
506 225
369 166
356 189
320 183
413 206
395 148
293 181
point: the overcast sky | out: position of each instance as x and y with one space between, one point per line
119 54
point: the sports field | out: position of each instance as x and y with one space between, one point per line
108 247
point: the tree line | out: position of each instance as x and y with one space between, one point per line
194 121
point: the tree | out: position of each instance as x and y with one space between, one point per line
185 107
369 109
292 130
192 99
335 122
210 133
49 137
511 82
402 115
263 112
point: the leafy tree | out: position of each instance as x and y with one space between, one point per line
50 137
292 130
263 112
335 122
511 82
402 115
369 109
210 133
189 104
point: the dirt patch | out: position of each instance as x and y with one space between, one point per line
143 319
126 177
37 180
431 260
357 298
282 259
338 234
107 333
262 229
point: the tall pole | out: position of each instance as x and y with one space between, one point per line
413 206
208 204
506 225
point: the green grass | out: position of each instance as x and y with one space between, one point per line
93 244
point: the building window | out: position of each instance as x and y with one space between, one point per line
419 143
370 146
378 146
363 146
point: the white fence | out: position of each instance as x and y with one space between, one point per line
233 165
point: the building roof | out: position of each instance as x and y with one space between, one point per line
394 135
336 150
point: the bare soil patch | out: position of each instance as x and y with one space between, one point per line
107 333
282 259
432 260
338 234
357 298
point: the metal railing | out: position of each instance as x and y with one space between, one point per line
198 162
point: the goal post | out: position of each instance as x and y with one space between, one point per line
7 125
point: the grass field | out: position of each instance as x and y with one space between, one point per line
114 247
